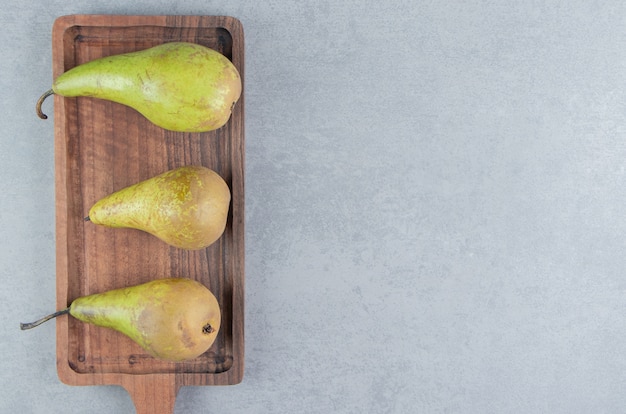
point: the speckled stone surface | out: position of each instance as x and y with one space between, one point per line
434 208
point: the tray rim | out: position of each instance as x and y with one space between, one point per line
130 381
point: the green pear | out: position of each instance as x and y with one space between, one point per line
178 86
173 319
186 207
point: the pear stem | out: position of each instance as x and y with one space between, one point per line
87 218
24 326
40 102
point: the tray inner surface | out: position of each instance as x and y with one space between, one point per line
108 147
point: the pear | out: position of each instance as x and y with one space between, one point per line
178 86
173 319
186 207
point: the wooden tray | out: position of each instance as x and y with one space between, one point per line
101 147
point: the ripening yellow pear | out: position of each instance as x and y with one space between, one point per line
186 207
179 86
173 319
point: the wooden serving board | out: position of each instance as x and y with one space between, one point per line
101 147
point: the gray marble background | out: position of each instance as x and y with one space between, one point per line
435 208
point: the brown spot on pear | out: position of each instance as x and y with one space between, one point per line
186 207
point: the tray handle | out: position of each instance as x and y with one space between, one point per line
153 394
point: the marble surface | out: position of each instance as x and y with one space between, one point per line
434 208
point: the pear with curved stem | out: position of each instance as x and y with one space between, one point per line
179 86
173 319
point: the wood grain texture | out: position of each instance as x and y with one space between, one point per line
101 147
